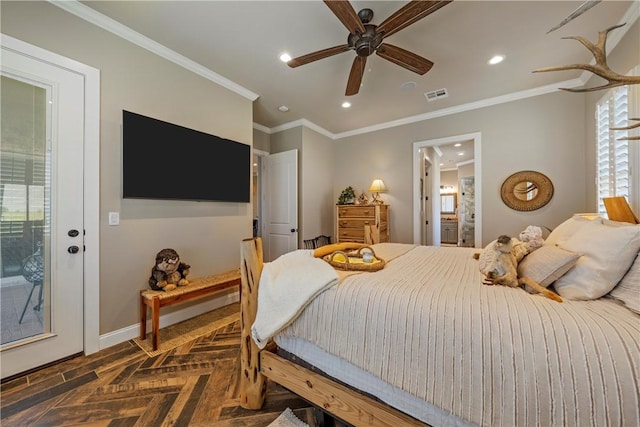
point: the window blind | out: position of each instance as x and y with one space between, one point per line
613 172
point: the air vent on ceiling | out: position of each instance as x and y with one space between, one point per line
436 94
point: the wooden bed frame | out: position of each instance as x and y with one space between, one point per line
257 366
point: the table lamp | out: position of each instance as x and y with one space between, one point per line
377 187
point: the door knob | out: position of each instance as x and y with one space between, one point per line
73 249
73 233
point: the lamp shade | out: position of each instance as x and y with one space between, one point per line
377 186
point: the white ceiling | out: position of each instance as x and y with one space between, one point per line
242 40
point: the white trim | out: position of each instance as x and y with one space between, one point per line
91 181
129 332
90 15
466 162
477 149
306 123
261 128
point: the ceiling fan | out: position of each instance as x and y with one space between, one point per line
367 38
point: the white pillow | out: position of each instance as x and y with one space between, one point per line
608 252
547 264
561 233
628 290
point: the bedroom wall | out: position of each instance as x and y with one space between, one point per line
318 200
544 133
205 234
315 186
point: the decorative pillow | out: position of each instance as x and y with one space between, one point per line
547 264
628 290
608 252
329 249
561 233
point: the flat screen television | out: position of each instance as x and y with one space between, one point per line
166 161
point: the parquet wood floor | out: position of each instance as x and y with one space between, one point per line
193 385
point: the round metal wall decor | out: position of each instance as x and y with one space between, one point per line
526 191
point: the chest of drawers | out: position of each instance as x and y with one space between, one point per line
362 223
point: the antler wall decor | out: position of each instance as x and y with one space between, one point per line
600 68
633 126
579 11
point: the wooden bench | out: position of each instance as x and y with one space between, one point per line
197 288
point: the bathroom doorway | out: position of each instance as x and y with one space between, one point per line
447 196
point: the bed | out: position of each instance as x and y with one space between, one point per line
422 341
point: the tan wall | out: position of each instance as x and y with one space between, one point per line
317 186
205 234
543 133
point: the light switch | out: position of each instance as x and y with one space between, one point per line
114 218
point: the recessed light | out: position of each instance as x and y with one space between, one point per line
346 104
283 108
457 144
496 59
408 85
285 57
460 153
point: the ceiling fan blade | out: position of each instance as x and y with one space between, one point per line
320 54
346 14
404 58
408 14
355 76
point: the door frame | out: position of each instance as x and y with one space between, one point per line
91 173
476 137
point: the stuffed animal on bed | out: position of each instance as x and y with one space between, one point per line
498 261
168 271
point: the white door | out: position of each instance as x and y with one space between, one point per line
41 193
280 198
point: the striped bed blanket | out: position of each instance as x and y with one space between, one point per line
488 355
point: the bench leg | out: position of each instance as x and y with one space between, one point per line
143 318
155 320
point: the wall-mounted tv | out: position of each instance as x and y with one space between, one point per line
166 161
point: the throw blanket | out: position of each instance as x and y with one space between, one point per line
286 287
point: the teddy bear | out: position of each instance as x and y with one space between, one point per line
168 272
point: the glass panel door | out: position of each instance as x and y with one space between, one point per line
25 210
41 209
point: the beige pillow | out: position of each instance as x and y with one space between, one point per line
628 289
607 253
564 231
547 264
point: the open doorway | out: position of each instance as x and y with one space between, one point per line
258 186
447 196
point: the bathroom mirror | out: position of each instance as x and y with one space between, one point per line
448 203
526 191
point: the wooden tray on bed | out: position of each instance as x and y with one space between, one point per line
355 261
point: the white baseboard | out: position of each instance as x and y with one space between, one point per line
130 332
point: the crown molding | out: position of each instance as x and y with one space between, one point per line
262 128
96 18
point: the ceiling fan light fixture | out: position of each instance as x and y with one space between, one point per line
285 57
496 59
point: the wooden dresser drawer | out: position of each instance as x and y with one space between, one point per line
351 234
357 211
354 223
